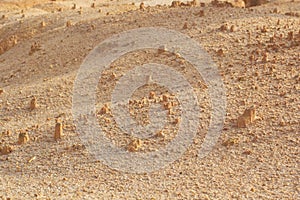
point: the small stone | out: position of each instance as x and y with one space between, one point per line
224 27
233 28
1 91
201 13
162 49
247 118
58 131
165 97
6 150
69 23
104 110
134 145
220 52
177 121
168 105
23 138
93 5
142 6
43 24
152 95
175 4
185 26
160 134
33 103
290 35
264 29
231 142
265 57
74 6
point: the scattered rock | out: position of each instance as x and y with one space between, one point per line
58 131
34 48
142 6
220 52
218 3
231 142
224 27
247 118
290 35
69 23
1 91
160 134
152 95
177 121
175 4
43 24
33 103
23 138
185 26
134 145
162 49
264 29
232 28
6 150
250 3
238 3
200 13
104 110
265 57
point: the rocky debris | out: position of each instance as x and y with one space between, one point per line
1 91
58 131
224 27
246 118
33 103
230 142
217 3
185 26
220 52
175 4
34 48
69 23
200 13
142 6
134 145
250 3
43 24
104 110
293 14
7 43
23 137
6 149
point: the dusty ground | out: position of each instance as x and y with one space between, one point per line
42 45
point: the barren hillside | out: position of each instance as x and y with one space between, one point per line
257 53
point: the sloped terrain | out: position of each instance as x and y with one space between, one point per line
256 49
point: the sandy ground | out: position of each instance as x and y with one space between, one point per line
256 49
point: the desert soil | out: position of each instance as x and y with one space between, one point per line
257 52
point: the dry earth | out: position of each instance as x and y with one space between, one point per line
256 49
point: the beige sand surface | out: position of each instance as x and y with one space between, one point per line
256 49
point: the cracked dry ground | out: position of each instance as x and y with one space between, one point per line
257 53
